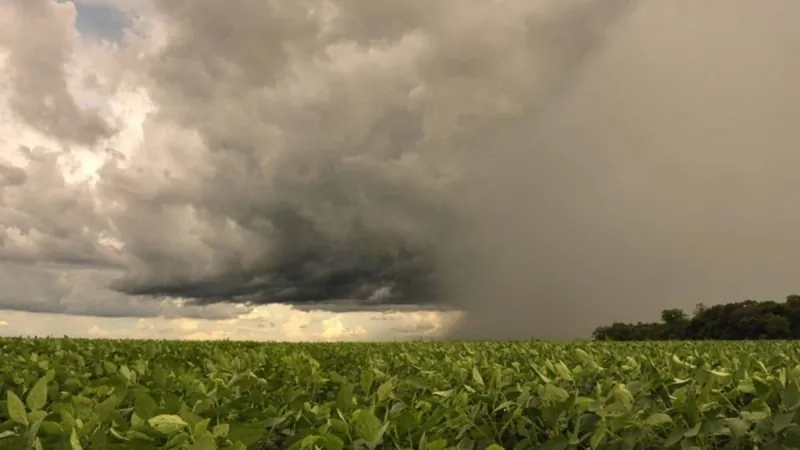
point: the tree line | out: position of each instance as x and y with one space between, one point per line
729 321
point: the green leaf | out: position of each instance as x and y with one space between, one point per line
368 427
221 430
366 381
109 367
440 444
658 419
556 443
53 428
384 390
144 405
106 408
33 432
563 371
247 434
344 399
178 440
37 397
792 437
16 409
445 394
168 424
598 435
477 378
160 376
584 357
694 431
790 397
200 427
126 373
74 442
7 434
737 426
674 437
333 442
781 421
204 443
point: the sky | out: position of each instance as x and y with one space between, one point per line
341 170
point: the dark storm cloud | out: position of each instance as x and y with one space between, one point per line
74 290
332 157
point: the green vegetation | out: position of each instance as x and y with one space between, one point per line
746 320
72 394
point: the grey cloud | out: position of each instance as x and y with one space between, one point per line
11 175
45 218
364 305
326 162
40 47
82 291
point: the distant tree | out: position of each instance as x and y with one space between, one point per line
749 319
671 316
699 308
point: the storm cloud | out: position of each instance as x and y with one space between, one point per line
545 167
320 150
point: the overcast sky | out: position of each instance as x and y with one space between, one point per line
391 169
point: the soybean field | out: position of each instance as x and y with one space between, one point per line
106 394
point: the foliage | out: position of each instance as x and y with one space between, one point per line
746 320
74 394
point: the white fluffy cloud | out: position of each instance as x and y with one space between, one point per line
264 323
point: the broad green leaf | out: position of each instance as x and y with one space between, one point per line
16 409
737 426
74 442
658 419
598 435
204 443
168 424
790 396
792 437
476 377
368 427
247 434
126 373
221 430
178 440
384 390
200 427
109 367
53 428
333 442
344 399
781 421
439 444
366 381
7 434
144 405
37 397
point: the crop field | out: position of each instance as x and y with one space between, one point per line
92 394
